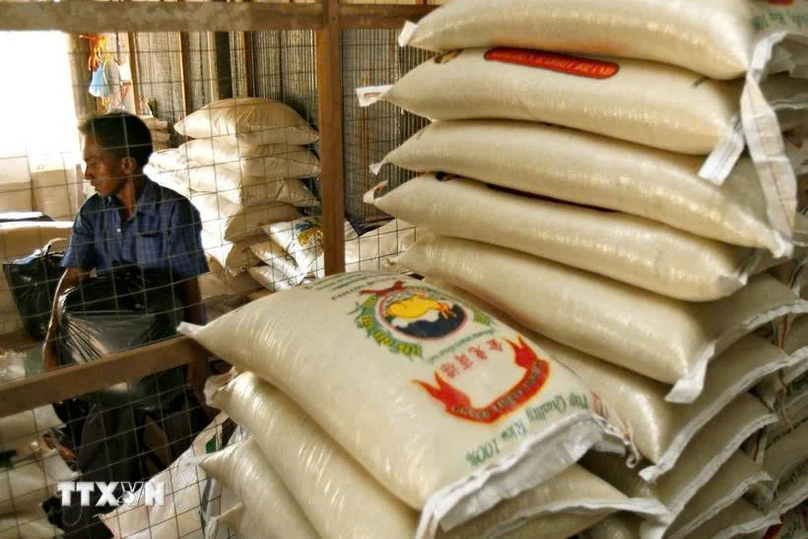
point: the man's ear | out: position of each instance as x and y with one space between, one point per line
128 165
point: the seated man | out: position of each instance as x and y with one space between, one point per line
130 221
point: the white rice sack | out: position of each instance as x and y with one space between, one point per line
615 97
29 524
275 161
785 449
241 522
598 171
440 449
273 280
660 429
244 469
739 518
233 257
708 451
303 240
22 238
630 249
374 250
275 256
219 283
728 485
18 431
342 500
54 192
248 120
665 339
617 526
232 222
792 491
715 39
176 181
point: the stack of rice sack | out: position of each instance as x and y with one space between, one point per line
294 254
406 412
598 232
19 239
242 171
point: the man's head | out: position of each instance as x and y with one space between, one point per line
116 147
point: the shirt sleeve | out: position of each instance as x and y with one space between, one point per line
81 250
185 252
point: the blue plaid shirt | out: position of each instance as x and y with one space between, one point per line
163 234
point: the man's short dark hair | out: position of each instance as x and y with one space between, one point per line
121 133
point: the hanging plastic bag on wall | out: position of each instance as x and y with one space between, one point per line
98 84
33 280
117 311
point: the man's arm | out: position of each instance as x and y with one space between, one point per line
70 278
197 369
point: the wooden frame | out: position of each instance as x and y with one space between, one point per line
328 18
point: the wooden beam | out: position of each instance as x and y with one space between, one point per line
91 17
380 15
42 389
213 68
329 86
130 37
249 67
185 75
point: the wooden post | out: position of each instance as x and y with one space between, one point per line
249 71
185 75
213 68
329 83
130 37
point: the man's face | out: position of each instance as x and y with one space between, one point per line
105 171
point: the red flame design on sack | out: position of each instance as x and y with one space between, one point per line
459 404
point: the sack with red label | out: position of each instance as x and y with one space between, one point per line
616 97
637 251
597 171
668 340
342 500
449 409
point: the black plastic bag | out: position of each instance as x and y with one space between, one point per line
117 311
33 280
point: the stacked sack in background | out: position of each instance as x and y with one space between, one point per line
409 412
242 171
29 471
571 195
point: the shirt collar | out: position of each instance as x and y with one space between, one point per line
147 197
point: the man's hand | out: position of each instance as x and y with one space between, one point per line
50 358
197 373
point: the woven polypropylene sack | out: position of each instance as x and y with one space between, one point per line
598 171
173 169
235 257
616 97
243 469
273 161
728 485
342 500
241 522
248 120
708 451
273 280
31 524
714 38
630 249
665 339
660 429
232 222
794 525
220 283
441 448
303 240
617 526
275 256
739 518
778 388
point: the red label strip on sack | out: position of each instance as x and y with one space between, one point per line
563 63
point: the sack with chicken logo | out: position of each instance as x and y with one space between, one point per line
302 239
449 409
